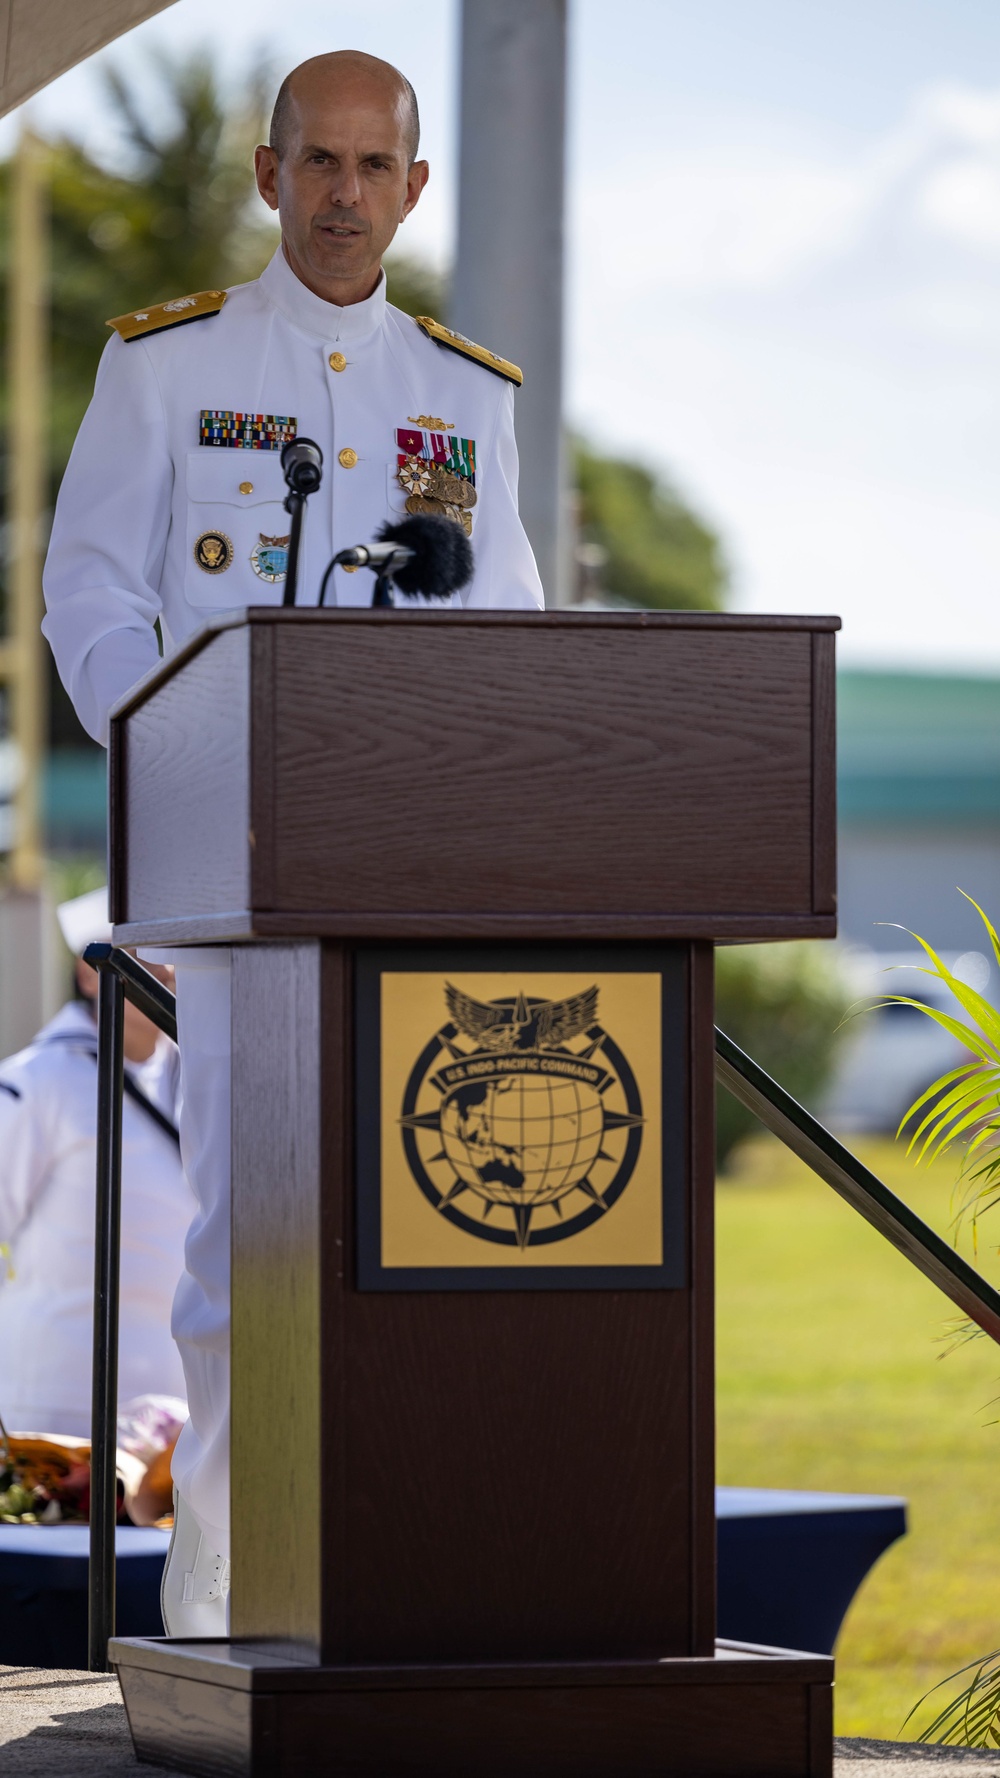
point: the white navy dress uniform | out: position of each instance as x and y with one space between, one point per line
152 524
48 1128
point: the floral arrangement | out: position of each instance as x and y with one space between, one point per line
45 1480
42 1481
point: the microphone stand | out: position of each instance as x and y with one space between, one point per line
302 463
295 503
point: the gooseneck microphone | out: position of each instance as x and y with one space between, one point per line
302 462
374 555
423 557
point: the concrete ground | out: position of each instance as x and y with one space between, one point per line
64 1725
72 1725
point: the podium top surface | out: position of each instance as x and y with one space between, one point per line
423 774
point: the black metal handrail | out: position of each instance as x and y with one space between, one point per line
120 978
806 1137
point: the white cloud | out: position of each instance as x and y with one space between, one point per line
962 199
961 113
747 224
756 216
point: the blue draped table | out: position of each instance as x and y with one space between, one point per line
789 1565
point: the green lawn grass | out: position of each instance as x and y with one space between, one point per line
831 1375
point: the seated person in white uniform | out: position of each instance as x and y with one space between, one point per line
48 1128
171 512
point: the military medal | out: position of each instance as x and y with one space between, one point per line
214 552
452 489
248 432
269 558
441 509
437 472
414 475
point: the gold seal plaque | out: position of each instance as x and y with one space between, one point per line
518 1136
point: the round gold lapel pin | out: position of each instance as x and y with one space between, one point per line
214 552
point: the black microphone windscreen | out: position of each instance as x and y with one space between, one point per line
442 560
302 462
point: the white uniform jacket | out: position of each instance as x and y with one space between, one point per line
141 488
48 1120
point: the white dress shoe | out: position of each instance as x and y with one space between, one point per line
194 1591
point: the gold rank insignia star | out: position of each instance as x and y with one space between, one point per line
457 342
142 322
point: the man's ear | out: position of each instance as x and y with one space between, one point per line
265 166
416 179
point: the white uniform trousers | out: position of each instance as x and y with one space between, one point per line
201 1317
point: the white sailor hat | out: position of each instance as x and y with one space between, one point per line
84 920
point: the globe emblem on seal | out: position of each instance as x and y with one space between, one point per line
521 1119
269 557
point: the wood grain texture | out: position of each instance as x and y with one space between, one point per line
518 1468
276 1282
235 927
650 775
245 1667
558 771
504 1476
337 1245
820 1731
524 1490
701 1136
197 1728
263 846
184 787
824 774
738 1716
598 1732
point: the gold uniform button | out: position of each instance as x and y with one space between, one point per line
246 487
337 361
347 458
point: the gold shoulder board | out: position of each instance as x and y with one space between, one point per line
171 314
457 342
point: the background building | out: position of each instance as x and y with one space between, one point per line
919 788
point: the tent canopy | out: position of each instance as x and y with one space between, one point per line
42 38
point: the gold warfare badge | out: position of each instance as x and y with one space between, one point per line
522 1132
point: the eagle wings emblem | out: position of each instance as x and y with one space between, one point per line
543 1025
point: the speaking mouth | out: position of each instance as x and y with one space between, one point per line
341 231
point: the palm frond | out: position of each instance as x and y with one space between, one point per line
972 1717
961 1107
959 1331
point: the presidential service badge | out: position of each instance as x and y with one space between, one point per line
269 557
213 551
519 1139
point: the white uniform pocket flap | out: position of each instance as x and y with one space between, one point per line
222 477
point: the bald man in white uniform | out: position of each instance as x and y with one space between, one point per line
171 512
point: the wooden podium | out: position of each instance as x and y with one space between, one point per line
473 869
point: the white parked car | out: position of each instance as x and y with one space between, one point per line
891 1053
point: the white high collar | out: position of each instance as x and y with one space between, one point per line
350 325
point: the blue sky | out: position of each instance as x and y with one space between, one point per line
784 274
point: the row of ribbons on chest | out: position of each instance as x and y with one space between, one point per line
436 471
